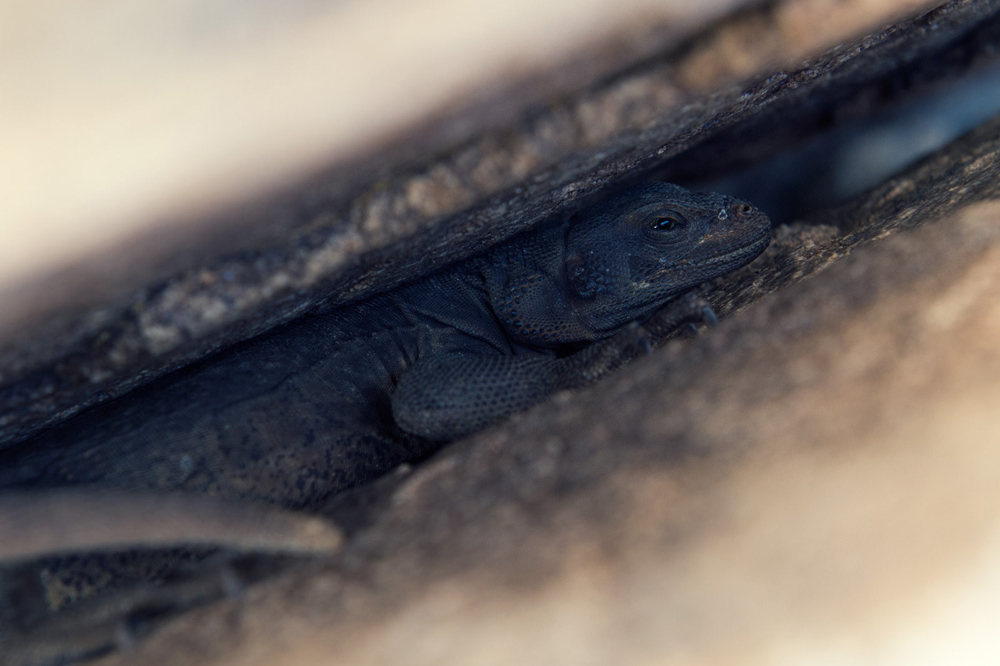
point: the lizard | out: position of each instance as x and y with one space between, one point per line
334 400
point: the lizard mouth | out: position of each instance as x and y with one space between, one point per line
752 249
740 256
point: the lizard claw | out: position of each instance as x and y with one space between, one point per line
641 338
701 310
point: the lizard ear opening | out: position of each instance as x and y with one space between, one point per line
579 278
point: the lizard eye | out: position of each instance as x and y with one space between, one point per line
667 222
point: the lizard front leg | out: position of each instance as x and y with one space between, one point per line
602 357
448 396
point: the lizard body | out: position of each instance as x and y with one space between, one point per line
334 400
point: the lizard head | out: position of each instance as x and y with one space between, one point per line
621 260
630 255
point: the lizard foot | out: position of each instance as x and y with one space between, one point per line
641 340
683 314
699 310
632 339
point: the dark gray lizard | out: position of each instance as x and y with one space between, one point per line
329 402
335 400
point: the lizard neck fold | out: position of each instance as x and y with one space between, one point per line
530 293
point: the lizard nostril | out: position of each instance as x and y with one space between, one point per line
744 209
